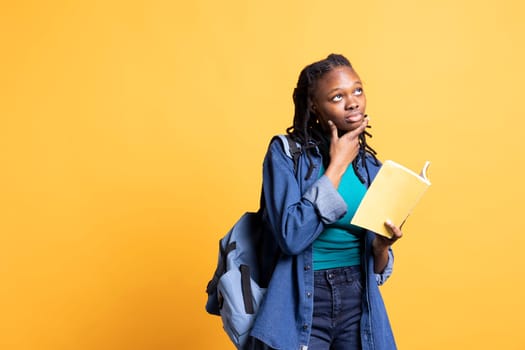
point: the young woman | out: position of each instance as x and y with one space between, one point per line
324 292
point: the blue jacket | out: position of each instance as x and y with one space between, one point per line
297 210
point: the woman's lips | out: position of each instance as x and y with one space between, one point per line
354 117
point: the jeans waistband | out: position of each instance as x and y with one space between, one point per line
338 275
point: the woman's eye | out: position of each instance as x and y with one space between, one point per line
358 91
337 98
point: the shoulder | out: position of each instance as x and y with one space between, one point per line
285 145
283 152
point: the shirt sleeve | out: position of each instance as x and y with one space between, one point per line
325 198
296 217
387 272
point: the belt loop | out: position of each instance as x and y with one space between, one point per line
348 273
352 273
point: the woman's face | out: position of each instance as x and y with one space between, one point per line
339 97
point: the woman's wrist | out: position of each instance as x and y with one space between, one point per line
335 173
380 247
380 252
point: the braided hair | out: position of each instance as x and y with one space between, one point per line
306 128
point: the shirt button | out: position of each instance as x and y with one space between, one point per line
306 267
305 326
330 276
309 294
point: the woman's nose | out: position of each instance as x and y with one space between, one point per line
352 104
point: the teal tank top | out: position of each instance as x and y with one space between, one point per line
339 244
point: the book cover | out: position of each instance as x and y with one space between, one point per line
392 195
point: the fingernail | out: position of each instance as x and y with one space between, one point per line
389 222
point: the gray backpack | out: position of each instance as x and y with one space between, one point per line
247 256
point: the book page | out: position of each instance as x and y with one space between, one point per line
392 195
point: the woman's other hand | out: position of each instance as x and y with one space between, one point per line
381 244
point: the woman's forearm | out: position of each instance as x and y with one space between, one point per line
380 256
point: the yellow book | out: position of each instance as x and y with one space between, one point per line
392 195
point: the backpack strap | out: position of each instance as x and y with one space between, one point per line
292 149
221 265
246 287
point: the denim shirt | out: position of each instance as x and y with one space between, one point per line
296 211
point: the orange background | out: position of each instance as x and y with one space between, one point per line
132 136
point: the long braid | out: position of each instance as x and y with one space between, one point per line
364 149
306 128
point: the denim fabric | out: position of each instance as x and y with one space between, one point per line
337 309
297 209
